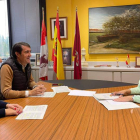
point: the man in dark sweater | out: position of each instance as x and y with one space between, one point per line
9 109
16 77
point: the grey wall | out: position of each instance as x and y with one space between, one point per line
25 24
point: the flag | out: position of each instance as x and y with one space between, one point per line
43 70
128 60
77 52
57 52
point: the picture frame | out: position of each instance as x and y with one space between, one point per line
110 30
66 53
63 27
137 62
37 59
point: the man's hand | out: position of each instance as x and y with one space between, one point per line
40 89
14 107
124 99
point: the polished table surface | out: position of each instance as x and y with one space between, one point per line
73 118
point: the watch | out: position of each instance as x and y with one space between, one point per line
26 93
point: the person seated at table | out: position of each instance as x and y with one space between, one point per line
128 95
7 109
16 77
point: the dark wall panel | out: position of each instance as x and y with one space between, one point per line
25 23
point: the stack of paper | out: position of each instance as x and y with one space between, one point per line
104 96
46 94
82 93
108 102
61 89
32 112
112 105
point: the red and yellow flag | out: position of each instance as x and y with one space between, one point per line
128 60
57 52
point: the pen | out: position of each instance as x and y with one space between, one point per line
116 94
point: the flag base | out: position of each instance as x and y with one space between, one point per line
44 78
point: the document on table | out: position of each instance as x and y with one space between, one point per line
61 89
104 96
46 94
82 93
112 105
32 112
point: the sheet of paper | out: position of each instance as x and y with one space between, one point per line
118 105
81 93
46 94
60 89
104 96
32 112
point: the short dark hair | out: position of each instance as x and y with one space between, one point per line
18 48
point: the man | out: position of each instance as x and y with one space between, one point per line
66 57
16 78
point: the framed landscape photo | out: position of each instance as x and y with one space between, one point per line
62 25
37 59
114 30
66 52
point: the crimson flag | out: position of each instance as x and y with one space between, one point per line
77 52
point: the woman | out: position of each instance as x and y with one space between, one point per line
129 95
7 109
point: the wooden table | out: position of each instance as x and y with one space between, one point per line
73 117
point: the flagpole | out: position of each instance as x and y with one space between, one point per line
43 13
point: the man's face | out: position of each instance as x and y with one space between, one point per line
24 57
65 54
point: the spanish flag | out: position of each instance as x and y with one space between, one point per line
128 60
57 52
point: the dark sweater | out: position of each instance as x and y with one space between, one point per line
2 108
20 78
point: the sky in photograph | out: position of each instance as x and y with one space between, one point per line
98 16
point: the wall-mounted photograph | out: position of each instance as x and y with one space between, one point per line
114 29
66 52
62 25
37 59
